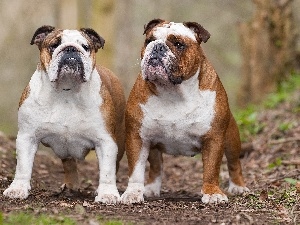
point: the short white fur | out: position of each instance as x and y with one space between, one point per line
236 189
177 117
162 32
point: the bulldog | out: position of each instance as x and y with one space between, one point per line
71 106
178 106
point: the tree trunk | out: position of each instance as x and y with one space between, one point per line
268 44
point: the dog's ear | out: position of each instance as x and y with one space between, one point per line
202 34
152 24
40 35
97 40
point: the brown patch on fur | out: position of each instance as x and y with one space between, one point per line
211 189
223 134
156 160
45 54
139 94
187 59
232 152
24 95
113 107
214 140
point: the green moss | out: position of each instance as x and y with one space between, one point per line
23 218
247 118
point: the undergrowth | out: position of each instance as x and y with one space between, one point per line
26 218
247 118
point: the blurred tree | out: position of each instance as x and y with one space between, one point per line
67 13
99 15
129 34
268 45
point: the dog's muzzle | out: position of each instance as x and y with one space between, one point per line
161 65
71 62
70 70
159 51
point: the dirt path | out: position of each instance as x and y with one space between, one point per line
270 165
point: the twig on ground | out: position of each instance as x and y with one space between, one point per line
284 140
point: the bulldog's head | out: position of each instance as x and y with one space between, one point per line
67 56
172 52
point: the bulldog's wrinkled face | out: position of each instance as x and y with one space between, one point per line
67 56
172 52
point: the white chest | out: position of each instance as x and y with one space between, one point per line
178 119
70 123
69 130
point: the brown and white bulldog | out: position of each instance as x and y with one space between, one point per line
178 106
72 106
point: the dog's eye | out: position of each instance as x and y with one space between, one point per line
148 40
179 45
54 46
86 47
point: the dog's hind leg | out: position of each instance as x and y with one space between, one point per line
232 152
71 173
153 185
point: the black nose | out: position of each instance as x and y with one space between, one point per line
158 52
70 49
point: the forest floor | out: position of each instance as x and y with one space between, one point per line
271 168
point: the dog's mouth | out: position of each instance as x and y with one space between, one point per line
71 63
70 73
161 70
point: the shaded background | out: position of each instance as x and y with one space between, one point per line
120 23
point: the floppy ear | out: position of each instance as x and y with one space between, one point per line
97 40
152 24
40 35
202 34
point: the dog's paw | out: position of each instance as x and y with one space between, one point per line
108 199
17 190
153 189
214 198
107 194
236 189
132 197
133 194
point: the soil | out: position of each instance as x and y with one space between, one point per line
271 166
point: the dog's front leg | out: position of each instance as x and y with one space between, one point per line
26 148
107 191
212 153
137 159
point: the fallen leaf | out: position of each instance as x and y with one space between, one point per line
298 186
263 195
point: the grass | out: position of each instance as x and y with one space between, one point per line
247 118
284 90
26 218
23 218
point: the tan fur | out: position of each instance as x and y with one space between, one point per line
155 158
45 55
24 95
71 173
113 107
